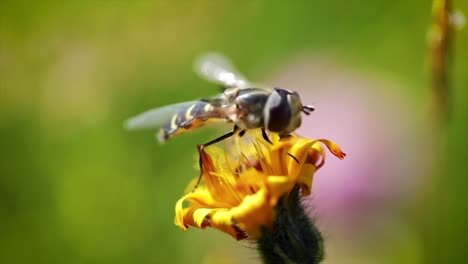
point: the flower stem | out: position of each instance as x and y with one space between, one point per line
293 238
440 44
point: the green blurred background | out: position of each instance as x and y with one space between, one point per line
76 188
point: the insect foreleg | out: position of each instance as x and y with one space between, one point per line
201 148
265 136
294 158
221 138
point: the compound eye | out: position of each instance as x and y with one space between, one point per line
277 111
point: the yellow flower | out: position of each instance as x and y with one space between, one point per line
243 182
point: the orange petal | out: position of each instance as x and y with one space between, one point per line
334 148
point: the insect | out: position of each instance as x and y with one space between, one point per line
242 103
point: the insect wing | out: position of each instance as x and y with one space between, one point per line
157 117
219 69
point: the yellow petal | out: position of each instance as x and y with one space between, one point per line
182 213
278 153
316 155
299 150
253 213
179 215
222 220
305 179
200 217
219 187
278 186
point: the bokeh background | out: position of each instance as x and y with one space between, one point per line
77 188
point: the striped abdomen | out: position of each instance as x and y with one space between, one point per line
189 118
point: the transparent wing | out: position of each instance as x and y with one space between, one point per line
155 118
219 69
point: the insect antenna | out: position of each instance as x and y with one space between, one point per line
307 109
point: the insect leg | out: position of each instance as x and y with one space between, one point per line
201 148
289 154
221 138
265 136
294 158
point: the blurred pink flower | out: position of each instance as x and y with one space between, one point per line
377 124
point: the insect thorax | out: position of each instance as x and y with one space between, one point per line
250 104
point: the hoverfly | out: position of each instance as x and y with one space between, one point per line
243 104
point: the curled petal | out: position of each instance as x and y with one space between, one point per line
334 148
181 213
305 179
299 150
316 156
223 221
